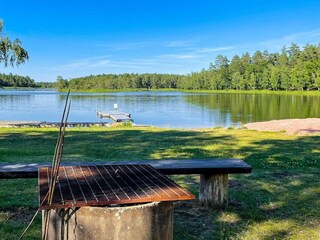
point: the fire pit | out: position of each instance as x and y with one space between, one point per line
110 202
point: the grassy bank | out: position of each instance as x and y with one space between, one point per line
279 200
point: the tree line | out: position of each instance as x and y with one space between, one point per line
291 69
121 81
10 80
294 68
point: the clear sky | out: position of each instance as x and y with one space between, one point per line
78 38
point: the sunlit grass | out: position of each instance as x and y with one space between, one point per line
284 229
279 200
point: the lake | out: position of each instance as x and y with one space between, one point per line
163 109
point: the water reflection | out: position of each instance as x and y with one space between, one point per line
244 108
165 109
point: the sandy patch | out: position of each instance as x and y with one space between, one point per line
290 126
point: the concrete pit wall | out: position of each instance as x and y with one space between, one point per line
150 221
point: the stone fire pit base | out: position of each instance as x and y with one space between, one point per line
144 221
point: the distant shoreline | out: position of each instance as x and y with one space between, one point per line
299 93
293 92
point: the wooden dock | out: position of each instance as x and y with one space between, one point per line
116 116
41 124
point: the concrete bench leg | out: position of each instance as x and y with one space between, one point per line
214 190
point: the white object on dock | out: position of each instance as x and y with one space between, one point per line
116 116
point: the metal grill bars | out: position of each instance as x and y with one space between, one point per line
100 185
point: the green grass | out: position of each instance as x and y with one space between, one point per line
279 200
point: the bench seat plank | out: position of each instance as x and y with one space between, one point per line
182 166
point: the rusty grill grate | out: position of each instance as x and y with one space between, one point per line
79 186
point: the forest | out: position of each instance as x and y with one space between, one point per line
294 68
11 80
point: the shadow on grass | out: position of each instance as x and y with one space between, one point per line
139 144
111 145
302 152
277 201
262 205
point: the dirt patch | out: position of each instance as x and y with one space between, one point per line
290 126
236 184
23 214
193 218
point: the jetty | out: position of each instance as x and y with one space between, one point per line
44 124
116 116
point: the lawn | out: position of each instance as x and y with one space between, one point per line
279 200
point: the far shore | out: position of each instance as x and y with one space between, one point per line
293 92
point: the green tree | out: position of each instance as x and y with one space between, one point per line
294 54
237 81
259 62
275 78
10 80
285 78
291 69
221 66
11 52
236 70
317 80
252 81
265 83
62 83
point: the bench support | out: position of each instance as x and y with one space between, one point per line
214 190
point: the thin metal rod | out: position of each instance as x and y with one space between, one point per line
56 161
58 155
58 149
59 135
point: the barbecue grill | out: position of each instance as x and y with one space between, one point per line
103 185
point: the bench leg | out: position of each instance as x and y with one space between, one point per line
214 190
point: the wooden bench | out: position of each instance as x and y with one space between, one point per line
213 190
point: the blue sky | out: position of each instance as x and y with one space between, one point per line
78 38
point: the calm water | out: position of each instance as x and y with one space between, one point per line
165 109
